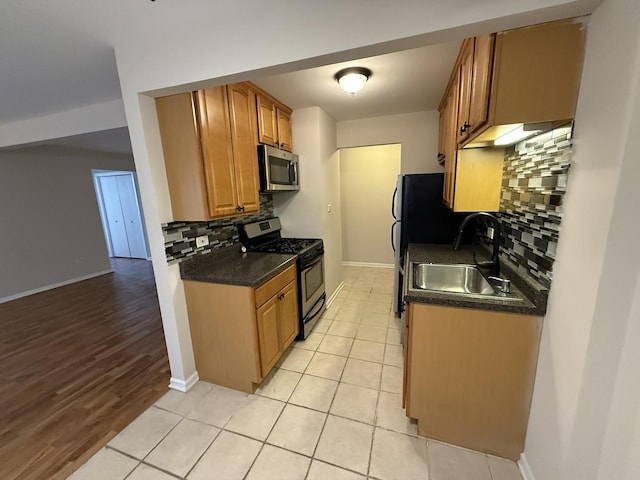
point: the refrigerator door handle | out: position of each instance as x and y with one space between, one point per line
393 226
393 207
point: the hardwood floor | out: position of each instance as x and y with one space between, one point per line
77 364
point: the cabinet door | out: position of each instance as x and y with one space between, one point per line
481 84
267 122
215 136
242 107
451 143
285 141
268 336
466 82
289 324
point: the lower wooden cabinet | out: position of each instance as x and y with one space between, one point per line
469 376
239 333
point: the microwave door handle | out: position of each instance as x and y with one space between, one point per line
293 173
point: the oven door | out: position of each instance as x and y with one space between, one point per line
311 284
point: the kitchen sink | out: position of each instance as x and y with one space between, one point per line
450 278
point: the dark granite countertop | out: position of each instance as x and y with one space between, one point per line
527 296
232 267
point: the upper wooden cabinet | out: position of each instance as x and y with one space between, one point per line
209 143
274 122
528 75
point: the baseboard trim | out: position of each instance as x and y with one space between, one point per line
335 294
364 264
525 468
54 285
184 385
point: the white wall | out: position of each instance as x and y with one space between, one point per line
417 133
51 229
368 177
591 334
304 213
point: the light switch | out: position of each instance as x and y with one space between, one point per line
329 207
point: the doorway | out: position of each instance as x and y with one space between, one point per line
367 179
120 213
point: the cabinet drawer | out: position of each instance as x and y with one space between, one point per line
267 290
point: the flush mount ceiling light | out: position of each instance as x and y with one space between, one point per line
352 79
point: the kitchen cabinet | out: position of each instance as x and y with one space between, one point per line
239 333
528 75
209 143
274 122
469 375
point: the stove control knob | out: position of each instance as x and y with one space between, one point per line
243 249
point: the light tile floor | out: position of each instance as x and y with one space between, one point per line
330 410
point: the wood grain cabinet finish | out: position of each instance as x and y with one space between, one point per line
274 121
209 143
469 376
526 75
239 333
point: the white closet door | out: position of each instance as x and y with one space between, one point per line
131 214
115 219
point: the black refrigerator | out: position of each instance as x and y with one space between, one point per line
420 217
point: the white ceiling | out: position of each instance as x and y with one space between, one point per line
56 56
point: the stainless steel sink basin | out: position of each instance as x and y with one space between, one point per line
465 279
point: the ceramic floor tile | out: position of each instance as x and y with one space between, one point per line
378 308
279 384
314 392
217 407
392 416
363 287
181 403
229 458
298 429
502 469
310 343
395 322
363 374
322 326
356 403
335 345
107 464
256 417
351 316
295 359
146 431
145 472
337 302
326 365
369 351
392 379
393 355
375 319
359 295
395 455
276 463
394 336
345 443
381 298
351 304
324 471
181 449
451 463
371 333
331 311
343 329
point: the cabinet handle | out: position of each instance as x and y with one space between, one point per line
240 208
466 126
280 296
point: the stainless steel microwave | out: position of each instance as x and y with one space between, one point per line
278 169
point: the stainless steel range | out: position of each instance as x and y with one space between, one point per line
265 236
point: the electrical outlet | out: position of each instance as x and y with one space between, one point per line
202 241
490 233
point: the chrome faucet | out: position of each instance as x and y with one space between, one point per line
494 263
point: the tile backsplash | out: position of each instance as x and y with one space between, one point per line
180 237
534 182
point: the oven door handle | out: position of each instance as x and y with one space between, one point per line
320 301
308 265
